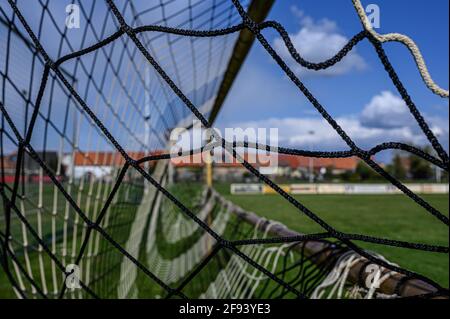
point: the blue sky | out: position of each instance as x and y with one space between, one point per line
358 92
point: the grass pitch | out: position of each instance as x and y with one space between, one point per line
387 216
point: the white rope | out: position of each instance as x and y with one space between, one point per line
117 104
168 270
39 231
334 284
408 42
240 280
128 274
25 245
180 227
172 270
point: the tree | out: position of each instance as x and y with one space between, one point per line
365 172
328 176
419 168
444 177
397 168
349 176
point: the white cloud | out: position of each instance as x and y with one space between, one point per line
389 111
365 129
386 110
295 132
317 41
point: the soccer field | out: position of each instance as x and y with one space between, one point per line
387 216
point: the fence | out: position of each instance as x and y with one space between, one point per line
421 188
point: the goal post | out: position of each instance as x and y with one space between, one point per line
257 11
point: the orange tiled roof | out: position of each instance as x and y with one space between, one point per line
106 158
197 160
293 161
284 160
8 163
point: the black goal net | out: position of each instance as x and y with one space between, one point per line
90 93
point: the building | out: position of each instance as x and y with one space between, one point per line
280 165
225 168
301 165
99 165
8 167
105 164
31 170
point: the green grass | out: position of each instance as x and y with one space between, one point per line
119 221
388 216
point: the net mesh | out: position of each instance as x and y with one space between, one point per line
106 218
